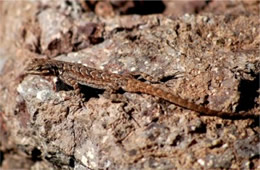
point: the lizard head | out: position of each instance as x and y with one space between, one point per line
40 67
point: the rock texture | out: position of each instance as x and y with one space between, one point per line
211 59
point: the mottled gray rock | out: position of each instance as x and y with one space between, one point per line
210 60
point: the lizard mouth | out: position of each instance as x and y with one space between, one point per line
35 72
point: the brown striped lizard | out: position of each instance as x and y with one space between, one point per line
75 74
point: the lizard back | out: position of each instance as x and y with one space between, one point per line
74 73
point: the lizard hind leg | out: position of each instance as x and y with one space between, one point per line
113 96
126 108
144 76
158 79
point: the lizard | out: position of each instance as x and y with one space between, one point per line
75 74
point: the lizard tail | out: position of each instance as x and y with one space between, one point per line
155 91
137 86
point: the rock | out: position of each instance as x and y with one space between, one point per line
212 60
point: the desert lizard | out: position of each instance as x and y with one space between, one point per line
74 74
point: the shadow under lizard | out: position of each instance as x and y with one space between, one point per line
74 74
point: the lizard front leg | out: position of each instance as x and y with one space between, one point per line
74 84
64 77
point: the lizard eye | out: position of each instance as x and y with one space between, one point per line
38 68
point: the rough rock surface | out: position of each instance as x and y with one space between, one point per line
212 60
